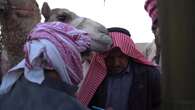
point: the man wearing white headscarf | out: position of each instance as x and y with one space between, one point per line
47 78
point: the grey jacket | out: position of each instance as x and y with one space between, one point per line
51 95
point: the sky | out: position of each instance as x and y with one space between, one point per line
129 14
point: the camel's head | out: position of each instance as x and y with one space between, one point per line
100 39
19 13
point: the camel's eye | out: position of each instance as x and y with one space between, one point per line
62 18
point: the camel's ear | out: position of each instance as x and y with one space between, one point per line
45 10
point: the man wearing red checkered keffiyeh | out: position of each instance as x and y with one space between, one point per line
121 78
151 7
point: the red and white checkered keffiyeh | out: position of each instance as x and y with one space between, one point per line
97 70
68 40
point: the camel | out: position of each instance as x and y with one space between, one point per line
17 18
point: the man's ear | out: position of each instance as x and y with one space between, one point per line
45 10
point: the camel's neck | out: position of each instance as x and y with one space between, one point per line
13 42
14 36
